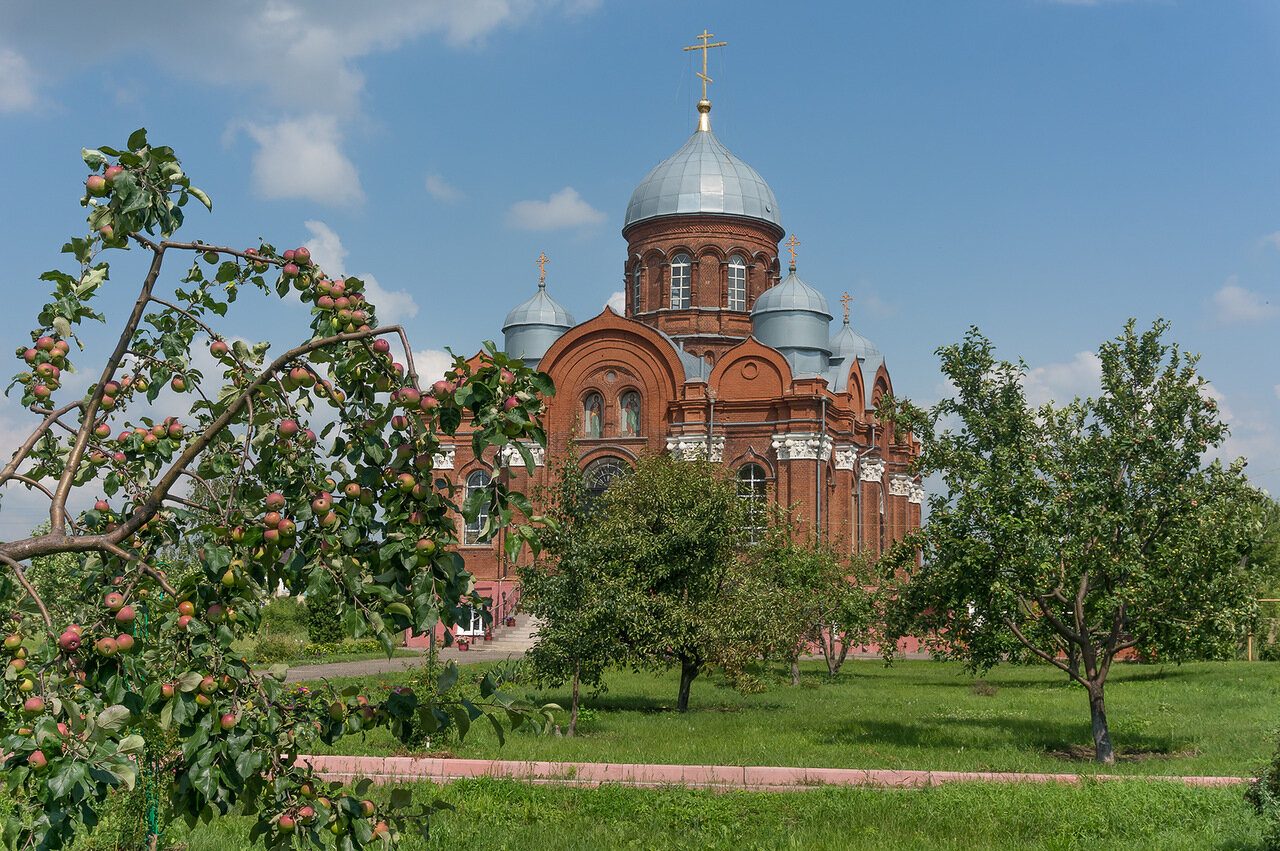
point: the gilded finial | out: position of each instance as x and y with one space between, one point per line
542 262
845 300
791 246
704 105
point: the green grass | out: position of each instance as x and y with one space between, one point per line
496 814
1205 718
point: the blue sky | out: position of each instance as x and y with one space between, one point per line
1043 170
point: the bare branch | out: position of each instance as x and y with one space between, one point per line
27 445
1051 659
143 566
31 592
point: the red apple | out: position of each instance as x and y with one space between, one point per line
287 428
208 684
126 615
275 501
167 691
178 384
219 349
106 646
227 721
286 824
184 623
96 185
110 174
12 642
37 760
125 642
186 607
113 601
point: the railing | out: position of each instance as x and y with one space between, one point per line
506 606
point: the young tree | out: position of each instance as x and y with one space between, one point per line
1078 531
577 633
665 542
352 512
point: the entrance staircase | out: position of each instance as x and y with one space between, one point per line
512 640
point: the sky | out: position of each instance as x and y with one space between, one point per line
1042 169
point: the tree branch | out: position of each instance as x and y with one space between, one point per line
27 445
31 592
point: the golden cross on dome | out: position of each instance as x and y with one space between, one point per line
542 262
791 246
845 299
704 47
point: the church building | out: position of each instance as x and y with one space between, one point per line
718 354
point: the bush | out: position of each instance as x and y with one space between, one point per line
285 615
277 648
1264 795
323 624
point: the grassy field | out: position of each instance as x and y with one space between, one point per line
494 814
1207 718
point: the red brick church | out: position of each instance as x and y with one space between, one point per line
719 354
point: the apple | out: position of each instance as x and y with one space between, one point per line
113 601
208 684
219 349
428 402
351 490
96 185
186 607
33 706
26 686
306 814
510 403
380 830
287 428
238 534
37 760
307 790
216 613
274 501
368 808
286 823
227 721
406 482
178 384
40 391
18 665
322 504
506 378
184 623
229 580
203 700
399 423
175 430
271 537
110 174
167 691
124 641
426 546
106 647
272 519
290 270
302 255
12 642
126 615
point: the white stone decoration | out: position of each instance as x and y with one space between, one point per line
900 485
443 460
846 457
802 446
511 456
687 447
917 493
871 470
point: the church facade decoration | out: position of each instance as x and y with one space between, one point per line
716 355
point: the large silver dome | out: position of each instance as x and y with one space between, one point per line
703 177
793 318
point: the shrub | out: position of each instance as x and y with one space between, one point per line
276 648
323 624
285 615
1264 795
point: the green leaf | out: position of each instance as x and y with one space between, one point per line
131 744
201 197
137 139
114 718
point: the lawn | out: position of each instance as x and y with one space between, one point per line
496 814
1196 719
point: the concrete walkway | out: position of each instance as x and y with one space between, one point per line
398 769
380 665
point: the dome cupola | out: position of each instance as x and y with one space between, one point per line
533 325
794 318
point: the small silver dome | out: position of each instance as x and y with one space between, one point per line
848 343
534 325
793 318
703 177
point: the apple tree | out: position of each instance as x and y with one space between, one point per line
1070 535
307 468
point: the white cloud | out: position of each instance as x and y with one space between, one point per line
441 190
17 82
1208 391
326 249
1235 304
1062 382
1272 239
431 365
300 158
617 302
564 209
394 306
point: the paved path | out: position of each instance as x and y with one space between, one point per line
397 769
399 663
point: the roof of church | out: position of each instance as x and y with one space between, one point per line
703 177
848 342
792 294
540 309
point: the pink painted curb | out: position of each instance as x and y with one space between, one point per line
395 769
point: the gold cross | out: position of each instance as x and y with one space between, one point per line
704 47
845 299
542 262
791 246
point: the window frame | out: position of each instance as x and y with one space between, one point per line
682 286
736 264
471 531
754 488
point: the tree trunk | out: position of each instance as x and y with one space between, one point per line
1073 659
573 704
1102 749
795 670
688 670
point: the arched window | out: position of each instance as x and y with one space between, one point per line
477 481
600 474
593 416
629 413
637 284
737 283
681 281
752 489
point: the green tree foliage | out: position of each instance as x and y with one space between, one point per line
577 632
94 682
665 541
809 593
1072 534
